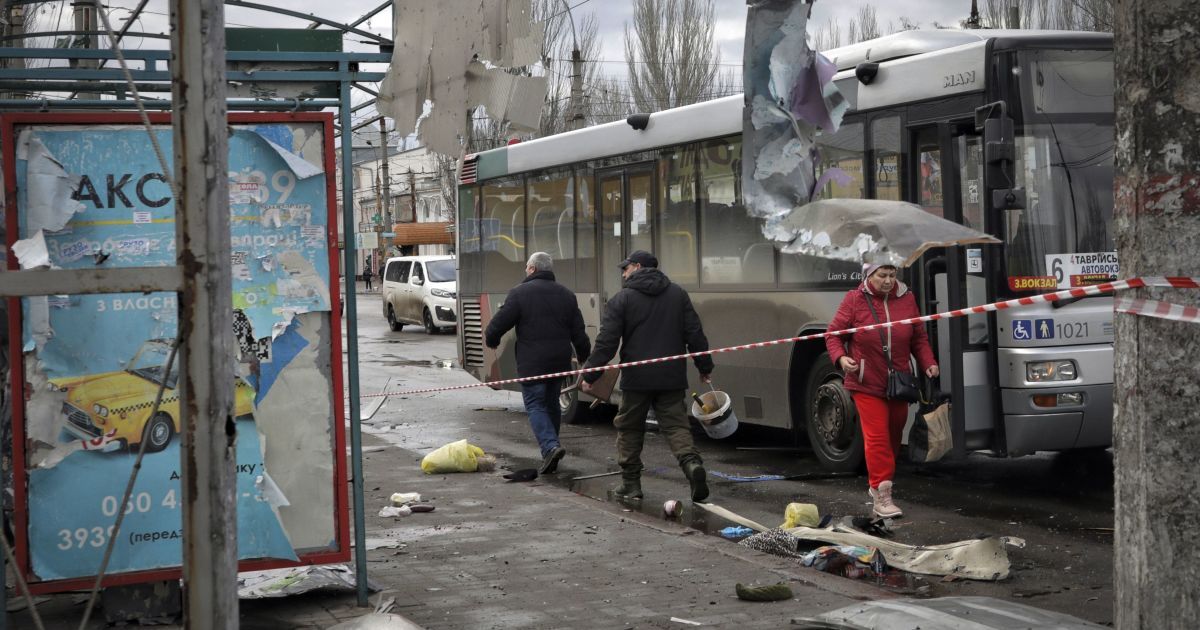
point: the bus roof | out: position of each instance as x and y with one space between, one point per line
723 116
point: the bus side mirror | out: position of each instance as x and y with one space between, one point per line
999 156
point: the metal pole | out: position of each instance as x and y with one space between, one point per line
576 121
348 227
85 20
205 314
385 207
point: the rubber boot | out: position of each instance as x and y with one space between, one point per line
697 477
630 488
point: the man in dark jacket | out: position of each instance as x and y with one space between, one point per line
549 325
652 317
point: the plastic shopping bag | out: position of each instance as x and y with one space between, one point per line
454 457
930 439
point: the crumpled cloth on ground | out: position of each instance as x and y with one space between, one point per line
849 561
975 559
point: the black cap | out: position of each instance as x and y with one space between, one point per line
524 474
641 257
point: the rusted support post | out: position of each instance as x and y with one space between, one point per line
205 315
1156 379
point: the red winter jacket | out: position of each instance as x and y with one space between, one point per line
867 347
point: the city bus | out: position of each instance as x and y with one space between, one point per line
1022 380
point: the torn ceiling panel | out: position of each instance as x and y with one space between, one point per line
462 67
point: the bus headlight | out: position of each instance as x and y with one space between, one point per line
1043 371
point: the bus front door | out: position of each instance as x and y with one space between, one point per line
626 203
947 180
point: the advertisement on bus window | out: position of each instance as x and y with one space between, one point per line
90 193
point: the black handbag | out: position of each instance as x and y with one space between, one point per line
900 385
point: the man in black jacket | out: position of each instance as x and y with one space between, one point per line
652 317
549 325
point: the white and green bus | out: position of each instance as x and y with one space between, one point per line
1026 380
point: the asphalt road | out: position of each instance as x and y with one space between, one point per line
1061 505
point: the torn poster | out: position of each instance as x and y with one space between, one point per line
49 190
96 362
789 95
465 65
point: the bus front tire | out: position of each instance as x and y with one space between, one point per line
832 419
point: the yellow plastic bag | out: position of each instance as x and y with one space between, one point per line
454 457
800 515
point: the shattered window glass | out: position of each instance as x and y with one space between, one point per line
733 249
677 194
503 234
842 150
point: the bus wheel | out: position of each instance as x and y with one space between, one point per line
832 420
574 411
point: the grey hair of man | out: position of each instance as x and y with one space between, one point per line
540 261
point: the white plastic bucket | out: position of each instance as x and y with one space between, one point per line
720 423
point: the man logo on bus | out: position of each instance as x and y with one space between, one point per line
1022 329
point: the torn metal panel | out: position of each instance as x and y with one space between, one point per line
506 96
493 35
943 613
872 230
296 580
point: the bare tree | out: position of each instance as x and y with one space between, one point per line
829 36
1067 15
671 54
868 23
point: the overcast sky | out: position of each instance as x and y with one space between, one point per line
611 16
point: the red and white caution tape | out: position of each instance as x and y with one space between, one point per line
1149 308
1155 308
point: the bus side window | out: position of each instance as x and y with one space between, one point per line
733 249
502 232
844 151
677 217
551 225
885 143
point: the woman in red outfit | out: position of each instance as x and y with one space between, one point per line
861 358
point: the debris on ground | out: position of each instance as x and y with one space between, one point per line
672 508
524 474
772 593
801 515
297 580
395 510
404 498
381 619
976 559
849 561
686 621
943 613
736 531
454 457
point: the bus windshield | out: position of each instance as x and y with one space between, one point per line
1065 165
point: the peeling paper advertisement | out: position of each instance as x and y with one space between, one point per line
95 362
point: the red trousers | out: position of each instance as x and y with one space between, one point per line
882 422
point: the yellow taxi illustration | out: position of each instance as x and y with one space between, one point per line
117 405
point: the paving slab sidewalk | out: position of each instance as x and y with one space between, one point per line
497 554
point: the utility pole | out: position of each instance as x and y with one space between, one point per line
209 434
1014 15
1157 216
385 210
577 119
85 21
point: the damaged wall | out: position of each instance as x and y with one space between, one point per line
93 195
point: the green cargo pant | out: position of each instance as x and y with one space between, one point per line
672 423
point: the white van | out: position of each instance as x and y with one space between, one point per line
420 290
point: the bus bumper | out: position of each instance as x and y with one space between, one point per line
1032 425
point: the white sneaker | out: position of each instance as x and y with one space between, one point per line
882 496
